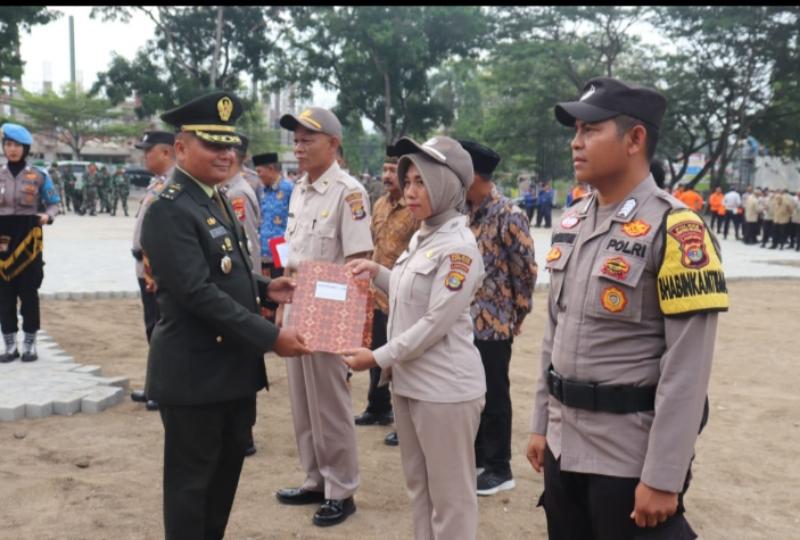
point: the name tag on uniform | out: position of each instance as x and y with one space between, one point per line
216 232
331 291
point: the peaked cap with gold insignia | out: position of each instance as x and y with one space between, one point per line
211 117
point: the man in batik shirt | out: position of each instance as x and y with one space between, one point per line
500 306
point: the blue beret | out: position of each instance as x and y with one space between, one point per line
17 133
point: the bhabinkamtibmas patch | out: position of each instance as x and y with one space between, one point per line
690 279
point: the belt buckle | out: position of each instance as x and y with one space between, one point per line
556 385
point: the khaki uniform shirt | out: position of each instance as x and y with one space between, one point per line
154 188
751 209
245 205
392 228
605 326
796 213
430 350
784 208
328 219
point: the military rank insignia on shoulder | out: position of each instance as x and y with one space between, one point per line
690 279
171 191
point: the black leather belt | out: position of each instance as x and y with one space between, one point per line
612 398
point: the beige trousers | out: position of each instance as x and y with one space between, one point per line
322 411
437 449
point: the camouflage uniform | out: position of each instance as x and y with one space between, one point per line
121 188
91 183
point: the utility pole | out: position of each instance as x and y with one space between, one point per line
72 49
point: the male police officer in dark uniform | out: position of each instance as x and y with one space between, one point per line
206 352
636 281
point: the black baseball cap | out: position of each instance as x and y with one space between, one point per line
152 138
604 98
484 159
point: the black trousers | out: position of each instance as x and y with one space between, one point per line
24 287
730 215
379 399
150 309
779 233
750 232
203 453
715 219
767 232
493 442
544 214
597 507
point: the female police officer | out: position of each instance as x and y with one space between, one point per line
22 188
437 376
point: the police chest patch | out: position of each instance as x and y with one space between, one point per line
690 278
554 254
613 299
636 228
616 267
356 204
628 247
569 222
239 208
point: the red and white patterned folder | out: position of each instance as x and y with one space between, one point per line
331 310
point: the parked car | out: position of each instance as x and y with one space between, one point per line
138 176
78 168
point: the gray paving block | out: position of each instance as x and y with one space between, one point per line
38 409
89 370
101 398
11 412
121 382
67 405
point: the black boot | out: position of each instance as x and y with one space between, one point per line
11 353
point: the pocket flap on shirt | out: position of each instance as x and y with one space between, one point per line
422 266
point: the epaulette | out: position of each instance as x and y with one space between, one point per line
171 192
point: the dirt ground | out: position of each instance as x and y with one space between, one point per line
746 471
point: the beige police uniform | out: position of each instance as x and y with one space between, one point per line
438 383
244 202
328 221
156 186
613 280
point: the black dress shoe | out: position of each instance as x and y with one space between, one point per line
299 496
151 405
138 396
334 511
370 419
9 357
29 357
391 439
250 450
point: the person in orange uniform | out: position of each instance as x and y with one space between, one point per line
691 198
714 206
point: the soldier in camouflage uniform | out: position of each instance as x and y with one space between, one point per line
104 190
121 188
58 184
91 182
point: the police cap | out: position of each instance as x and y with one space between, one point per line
16 133
484 159
604 98
314 119
152 138
444 151
265 159
211 117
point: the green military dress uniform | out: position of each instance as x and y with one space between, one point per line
121 188
205 362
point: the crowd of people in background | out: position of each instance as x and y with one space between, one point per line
100 189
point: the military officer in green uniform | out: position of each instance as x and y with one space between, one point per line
121 188
636 282
69 189
58 184
205 363
91 185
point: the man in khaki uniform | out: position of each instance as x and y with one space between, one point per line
636 281
782 215
751 218
796 223
245 205
328 221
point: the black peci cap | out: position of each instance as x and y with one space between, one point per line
484 159
265 159
211 117
604 98
152 138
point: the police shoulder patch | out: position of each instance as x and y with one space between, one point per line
459 268
356 203
690 279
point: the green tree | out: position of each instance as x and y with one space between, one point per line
195 49
378 58
14 18
72 118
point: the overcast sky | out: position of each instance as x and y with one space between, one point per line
45 49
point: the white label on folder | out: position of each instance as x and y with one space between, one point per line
331 291
283 252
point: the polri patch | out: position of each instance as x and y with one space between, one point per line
616 267
554 254
356 204
691 236
454 280
636 228
613 299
